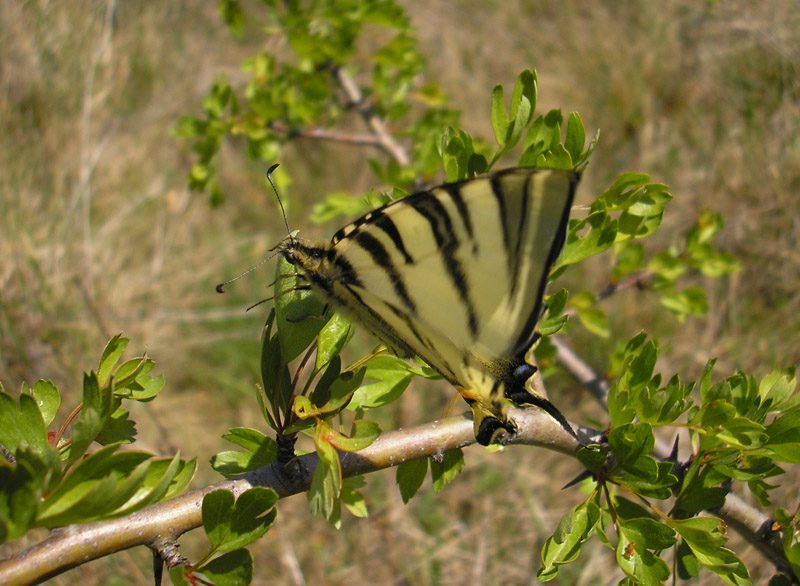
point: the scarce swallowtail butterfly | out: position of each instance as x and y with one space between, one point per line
456 276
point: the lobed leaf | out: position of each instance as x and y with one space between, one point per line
564 546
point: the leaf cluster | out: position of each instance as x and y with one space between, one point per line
738 432
299 94
230 525
49 478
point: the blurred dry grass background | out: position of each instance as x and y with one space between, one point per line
98 235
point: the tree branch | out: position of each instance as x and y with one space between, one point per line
375 122
325 134
153 526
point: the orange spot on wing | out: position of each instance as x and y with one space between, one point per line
467 394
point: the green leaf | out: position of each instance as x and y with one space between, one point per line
133 380
791 538
601 236
251 517
590 316
260 450
649 533
19 498
576 136
638 470
689 301
620 406
523 103
48 399
593 456
556 302
362 435
777 390
217 509
499 116
634 556
163 479
234 568
556 158
688 566
445 468
663 405
278 389
352 498
118 428
706 537
177 575
742 433
232 16
97 486
631 443
341 391
181 480
390 375
339 204
784 437
21 424
321 394
642 365
629 257
97 406
332 338
700 490
111 355
299 313
326 485
410 476
564 546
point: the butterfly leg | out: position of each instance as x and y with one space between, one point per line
487 427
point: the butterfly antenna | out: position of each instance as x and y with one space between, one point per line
278 197
221 287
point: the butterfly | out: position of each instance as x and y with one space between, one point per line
456 275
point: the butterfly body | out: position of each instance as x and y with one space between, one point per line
455 275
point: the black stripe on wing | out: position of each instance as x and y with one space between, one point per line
520 235
344 271
411 343
387 225
527 334
453 191
442 228
496 182
377 251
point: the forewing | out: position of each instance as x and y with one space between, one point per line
464 264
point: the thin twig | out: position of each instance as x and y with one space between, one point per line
596 384
325 134
375 122
639 279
